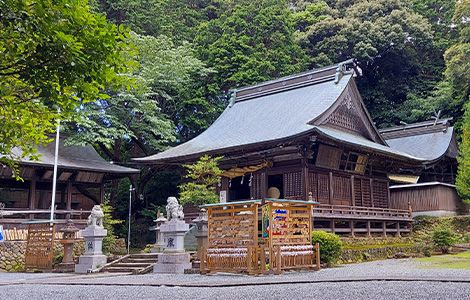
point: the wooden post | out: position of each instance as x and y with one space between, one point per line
32 196
368 229
384 229
353 201
371 187
248 260
102 192
398 229
262 259
332 222
330 188
305 188
317 257
264 186
278 258
351 226
68 205
203 260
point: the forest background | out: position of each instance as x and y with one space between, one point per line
177 60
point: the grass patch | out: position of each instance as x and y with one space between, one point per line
456 261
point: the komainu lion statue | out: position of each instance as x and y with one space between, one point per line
96 216
173 209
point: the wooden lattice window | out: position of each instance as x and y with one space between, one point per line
356 163
323 188
380 192
312 186
342 189
362 192
293 185
328 157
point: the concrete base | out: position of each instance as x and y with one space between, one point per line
174 263
87 262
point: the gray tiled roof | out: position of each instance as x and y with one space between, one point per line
274 117
364 143
74 158
262 119
429 146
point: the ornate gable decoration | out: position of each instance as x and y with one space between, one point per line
348 115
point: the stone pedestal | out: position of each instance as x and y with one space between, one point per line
93 257
174 259
67 264
201 232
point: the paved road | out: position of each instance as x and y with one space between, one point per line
391 279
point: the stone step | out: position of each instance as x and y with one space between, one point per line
140 260
145 256
123 270
131 265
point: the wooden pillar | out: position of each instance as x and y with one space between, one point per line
32 196
351 227
368 229
305 188
264 185
353 201
330 188
398 229
384 228
371 187
102 192
68 204
332 222
388 194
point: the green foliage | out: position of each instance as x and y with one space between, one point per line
250 42
205 173
53 54
108 223
385 37
444 238
330 246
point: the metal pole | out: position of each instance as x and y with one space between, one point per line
129 228
56 157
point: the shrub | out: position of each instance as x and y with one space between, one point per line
444 238
330 246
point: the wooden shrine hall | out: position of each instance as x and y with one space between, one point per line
301 135
82 174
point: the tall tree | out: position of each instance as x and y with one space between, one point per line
139 121
249 42
458 89
384 36
53 55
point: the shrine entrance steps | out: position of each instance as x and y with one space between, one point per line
134 263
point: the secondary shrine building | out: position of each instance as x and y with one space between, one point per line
301 136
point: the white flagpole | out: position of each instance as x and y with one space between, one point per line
56 156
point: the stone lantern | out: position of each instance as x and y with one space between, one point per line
159 245
201 231
67 264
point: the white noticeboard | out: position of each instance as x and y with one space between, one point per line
223 197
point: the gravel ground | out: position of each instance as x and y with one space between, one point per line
19 286
326 291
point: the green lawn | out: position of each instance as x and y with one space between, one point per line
456 261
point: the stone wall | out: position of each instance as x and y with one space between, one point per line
360 255
12 253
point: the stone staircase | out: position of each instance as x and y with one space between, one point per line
134 263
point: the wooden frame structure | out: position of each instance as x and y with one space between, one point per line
286 230
233 237
40 245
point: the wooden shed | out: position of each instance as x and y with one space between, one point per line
432 190
82 174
